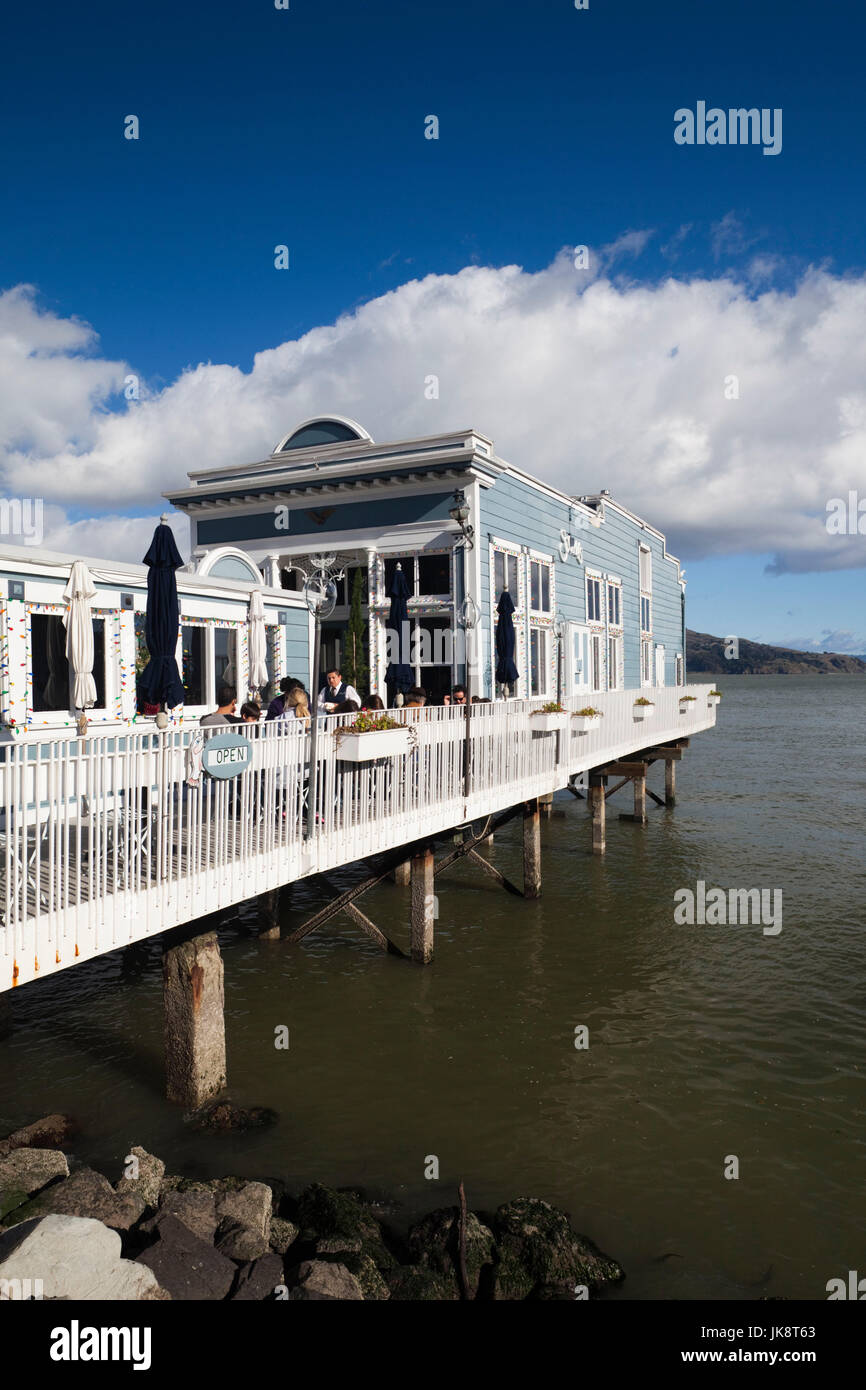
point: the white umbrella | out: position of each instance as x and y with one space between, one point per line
79 634
257 642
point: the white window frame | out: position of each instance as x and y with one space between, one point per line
544 662
614 665
521 653
595 576
50 718
537 557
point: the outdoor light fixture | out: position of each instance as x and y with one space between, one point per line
460 513
469 613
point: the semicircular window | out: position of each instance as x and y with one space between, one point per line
233 567
320 432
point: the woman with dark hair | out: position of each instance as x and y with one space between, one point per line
251 713
346 707
373 702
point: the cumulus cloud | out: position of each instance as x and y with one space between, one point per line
572 372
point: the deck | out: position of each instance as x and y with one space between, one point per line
103 842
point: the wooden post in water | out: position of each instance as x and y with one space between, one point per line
195 1033
640 799
423 904
597 804
402 874
269 908
670 782
531 850
546 805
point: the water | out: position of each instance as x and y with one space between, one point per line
705 1041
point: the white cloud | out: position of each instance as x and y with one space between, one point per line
571 372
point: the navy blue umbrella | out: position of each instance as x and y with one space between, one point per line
506 671
399 675
160 682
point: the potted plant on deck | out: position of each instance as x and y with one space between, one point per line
585 719
713 697
643 707
551 716
372 736
685 701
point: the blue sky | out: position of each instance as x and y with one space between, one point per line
305 127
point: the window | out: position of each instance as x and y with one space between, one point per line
52 674
193 659
593 600
614 605
595 661
539 586
539 666
427 575
646 570
225 659
646 661
614 654
681 671
646 614
505 575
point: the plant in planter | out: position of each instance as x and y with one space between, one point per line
553 715
685 701
643 707
714 696
372 735
586 718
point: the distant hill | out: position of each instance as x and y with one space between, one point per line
706 653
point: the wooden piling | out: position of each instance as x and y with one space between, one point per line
597 804
269 912
423 905
195 1035
402 874
531 850
545 804
640 799
670 782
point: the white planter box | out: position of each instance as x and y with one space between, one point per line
377 743
583 723
714 699
643 711
686 705
546 723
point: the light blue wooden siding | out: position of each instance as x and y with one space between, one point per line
522 515
298 646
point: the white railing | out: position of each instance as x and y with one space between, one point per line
104 842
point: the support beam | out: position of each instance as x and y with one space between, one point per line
610 791
423 905
269 912
490 869
195 1034
531 850
401 874
597 809
659 800
670 784
663 754
545 805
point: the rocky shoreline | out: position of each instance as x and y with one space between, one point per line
153 1235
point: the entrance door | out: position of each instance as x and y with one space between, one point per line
576 659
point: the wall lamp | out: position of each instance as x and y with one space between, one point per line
460 513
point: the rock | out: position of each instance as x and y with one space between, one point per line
25 1171
434 1242
76 1258
239 1242
283 1234
88 1194
188 1267
249 1205
339 1245
195 1210
372 1285
51 1132
320 1279
418 1283
150 1174
536 1247
224 1117
257 1281
327 1215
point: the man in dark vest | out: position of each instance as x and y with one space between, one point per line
335 692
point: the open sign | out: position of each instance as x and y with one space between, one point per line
226 755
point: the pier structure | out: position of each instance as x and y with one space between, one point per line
109 840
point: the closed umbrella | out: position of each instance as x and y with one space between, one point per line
257 642
506 671
160 682
78 621
399 676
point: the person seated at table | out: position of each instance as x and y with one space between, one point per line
458 695
277 705
373 702
225 711
416 695
346 707
251 712
296 713
335 691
